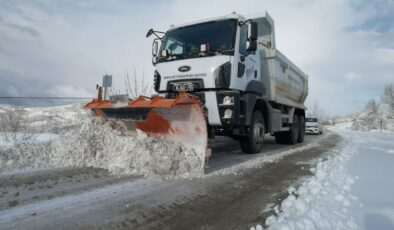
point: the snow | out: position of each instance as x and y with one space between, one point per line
54 119
312 205
90 198
37 138
77 140
89 142
373 166
365 121
258 161
390 125
351 189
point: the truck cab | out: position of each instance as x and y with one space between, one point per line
231 63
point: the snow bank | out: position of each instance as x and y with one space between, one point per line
107 145
389 125
322 201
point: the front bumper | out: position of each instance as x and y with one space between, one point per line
312 130
213 103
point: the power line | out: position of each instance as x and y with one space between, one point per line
44 98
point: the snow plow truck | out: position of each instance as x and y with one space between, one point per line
219 76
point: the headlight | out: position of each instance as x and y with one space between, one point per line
228 113
227 100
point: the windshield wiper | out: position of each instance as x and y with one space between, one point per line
196 54
172 57
226 52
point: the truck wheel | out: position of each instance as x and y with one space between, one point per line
294 131
253 143
301 134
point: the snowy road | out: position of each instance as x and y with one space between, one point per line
230 196
352 189
372 166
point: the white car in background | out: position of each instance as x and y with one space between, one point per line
313 126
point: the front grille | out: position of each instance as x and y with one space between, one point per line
197 84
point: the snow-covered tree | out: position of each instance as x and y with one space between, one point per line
388 98
15 125
372 109
370 118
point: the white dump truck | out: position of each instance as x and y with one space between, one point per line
247 88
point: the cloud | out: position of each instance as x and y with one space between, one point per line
24 29
346 47
352 76
12 92
68 91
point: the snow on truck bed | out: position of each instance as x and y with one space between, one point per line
352 189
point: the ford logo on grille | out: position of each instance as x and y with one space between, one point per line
184 68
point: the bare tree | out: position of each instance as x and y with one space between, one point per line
372 112
15 125
388 97
316 111
135 86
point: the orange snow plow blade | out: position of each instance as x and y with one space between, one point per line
180 120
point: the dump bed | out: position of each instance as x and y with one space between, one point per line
285 83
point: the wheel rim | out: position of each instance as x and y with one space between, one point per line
258 133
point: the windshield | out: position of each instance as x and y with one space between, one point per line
311 119
218 37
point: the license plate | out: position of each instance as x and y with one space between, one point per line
183 86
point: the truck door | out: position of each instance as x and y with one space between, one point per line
247 62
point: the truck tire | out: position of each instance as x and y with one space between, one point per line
301 134
294 131
253 143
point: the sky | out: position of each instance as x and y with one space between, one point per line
63 48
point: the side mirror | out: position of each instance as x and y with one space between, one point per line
252 31
155 48
150 32
251 44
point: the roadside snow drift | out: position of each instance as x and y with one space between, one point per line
322 201
107 145
352 189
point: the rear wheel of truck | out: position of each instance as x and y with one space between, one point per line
294 131
292 136
254 141
301 133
